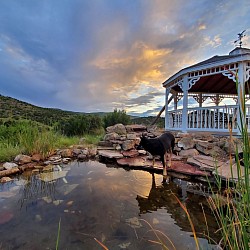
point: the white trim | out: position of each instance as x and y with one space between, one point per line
221 63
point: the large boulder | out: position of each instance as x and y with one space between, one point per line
188 152
22 159
119 128
186 143
111 136
128 144
9 165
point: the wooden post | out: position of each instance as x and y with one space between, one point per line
161 111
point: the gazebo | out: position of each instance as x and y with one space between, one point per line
216 78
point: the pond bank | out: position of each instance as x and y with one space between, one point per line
197 155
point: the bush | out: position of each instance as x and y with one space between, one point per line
118 116
80 125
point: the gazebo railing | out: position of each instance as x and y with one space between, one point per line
215 118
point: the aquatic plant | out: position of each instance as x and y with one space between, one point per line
58 234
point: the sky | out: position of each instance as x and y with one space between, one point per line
98 55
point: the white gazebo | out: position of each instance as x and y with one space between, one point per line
217 78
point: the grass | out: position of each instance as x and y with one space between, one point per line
233 212
58 234
29 137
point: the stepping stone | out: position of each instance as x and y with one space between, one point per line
110 154
187 169
204 162
140 162
130 153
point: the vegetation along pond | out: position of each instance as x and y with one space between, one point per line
97 204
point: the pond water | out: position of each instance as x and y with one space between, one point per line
97 202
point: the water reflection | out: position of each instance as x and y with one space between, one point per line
35 189
94 201
165 196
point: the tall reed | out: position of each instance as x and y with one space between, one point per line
233 216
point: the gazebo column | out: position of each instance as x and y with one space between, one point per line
166 109
175 101
200 100
241 92
185 88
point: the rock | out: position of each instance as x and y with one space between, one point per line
130 153
187 169
188 152
82 157
92 152
186 143
182 135
204 146
128 144
111 136
230 146
131 136
55 158
66 153
135 128
36 157
118 147
110 154
11 171
227 172
66 160
142 152
5 179
9 165
119 128
217 152
76 151
22 159
105 144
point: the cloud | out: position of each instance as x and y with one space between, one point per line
100 55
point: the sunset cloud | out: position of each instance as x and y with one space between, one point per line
99 55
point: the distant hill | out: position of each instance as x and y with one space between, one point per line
16 109
13 108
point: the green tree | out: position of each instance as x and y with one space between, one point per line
117 116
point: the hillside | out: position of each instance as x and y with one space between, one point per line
13 108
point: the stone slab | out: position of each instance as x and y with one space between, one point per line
130 153
187 169
208 160
177 166
230 172
110 154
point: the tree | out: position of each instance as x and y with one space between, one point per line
117 116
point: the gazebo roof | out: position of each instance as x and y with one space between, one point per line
210 73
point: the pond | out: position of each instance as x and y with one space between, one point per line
99 204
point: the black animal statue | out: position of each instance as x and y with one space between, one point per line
160 146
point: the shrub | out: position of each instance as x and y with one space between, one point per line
117 116
80 125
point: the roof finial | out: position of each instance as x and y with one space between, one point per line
240 36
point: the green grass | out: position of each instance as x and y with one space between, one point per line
28 137
233 216
8 151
